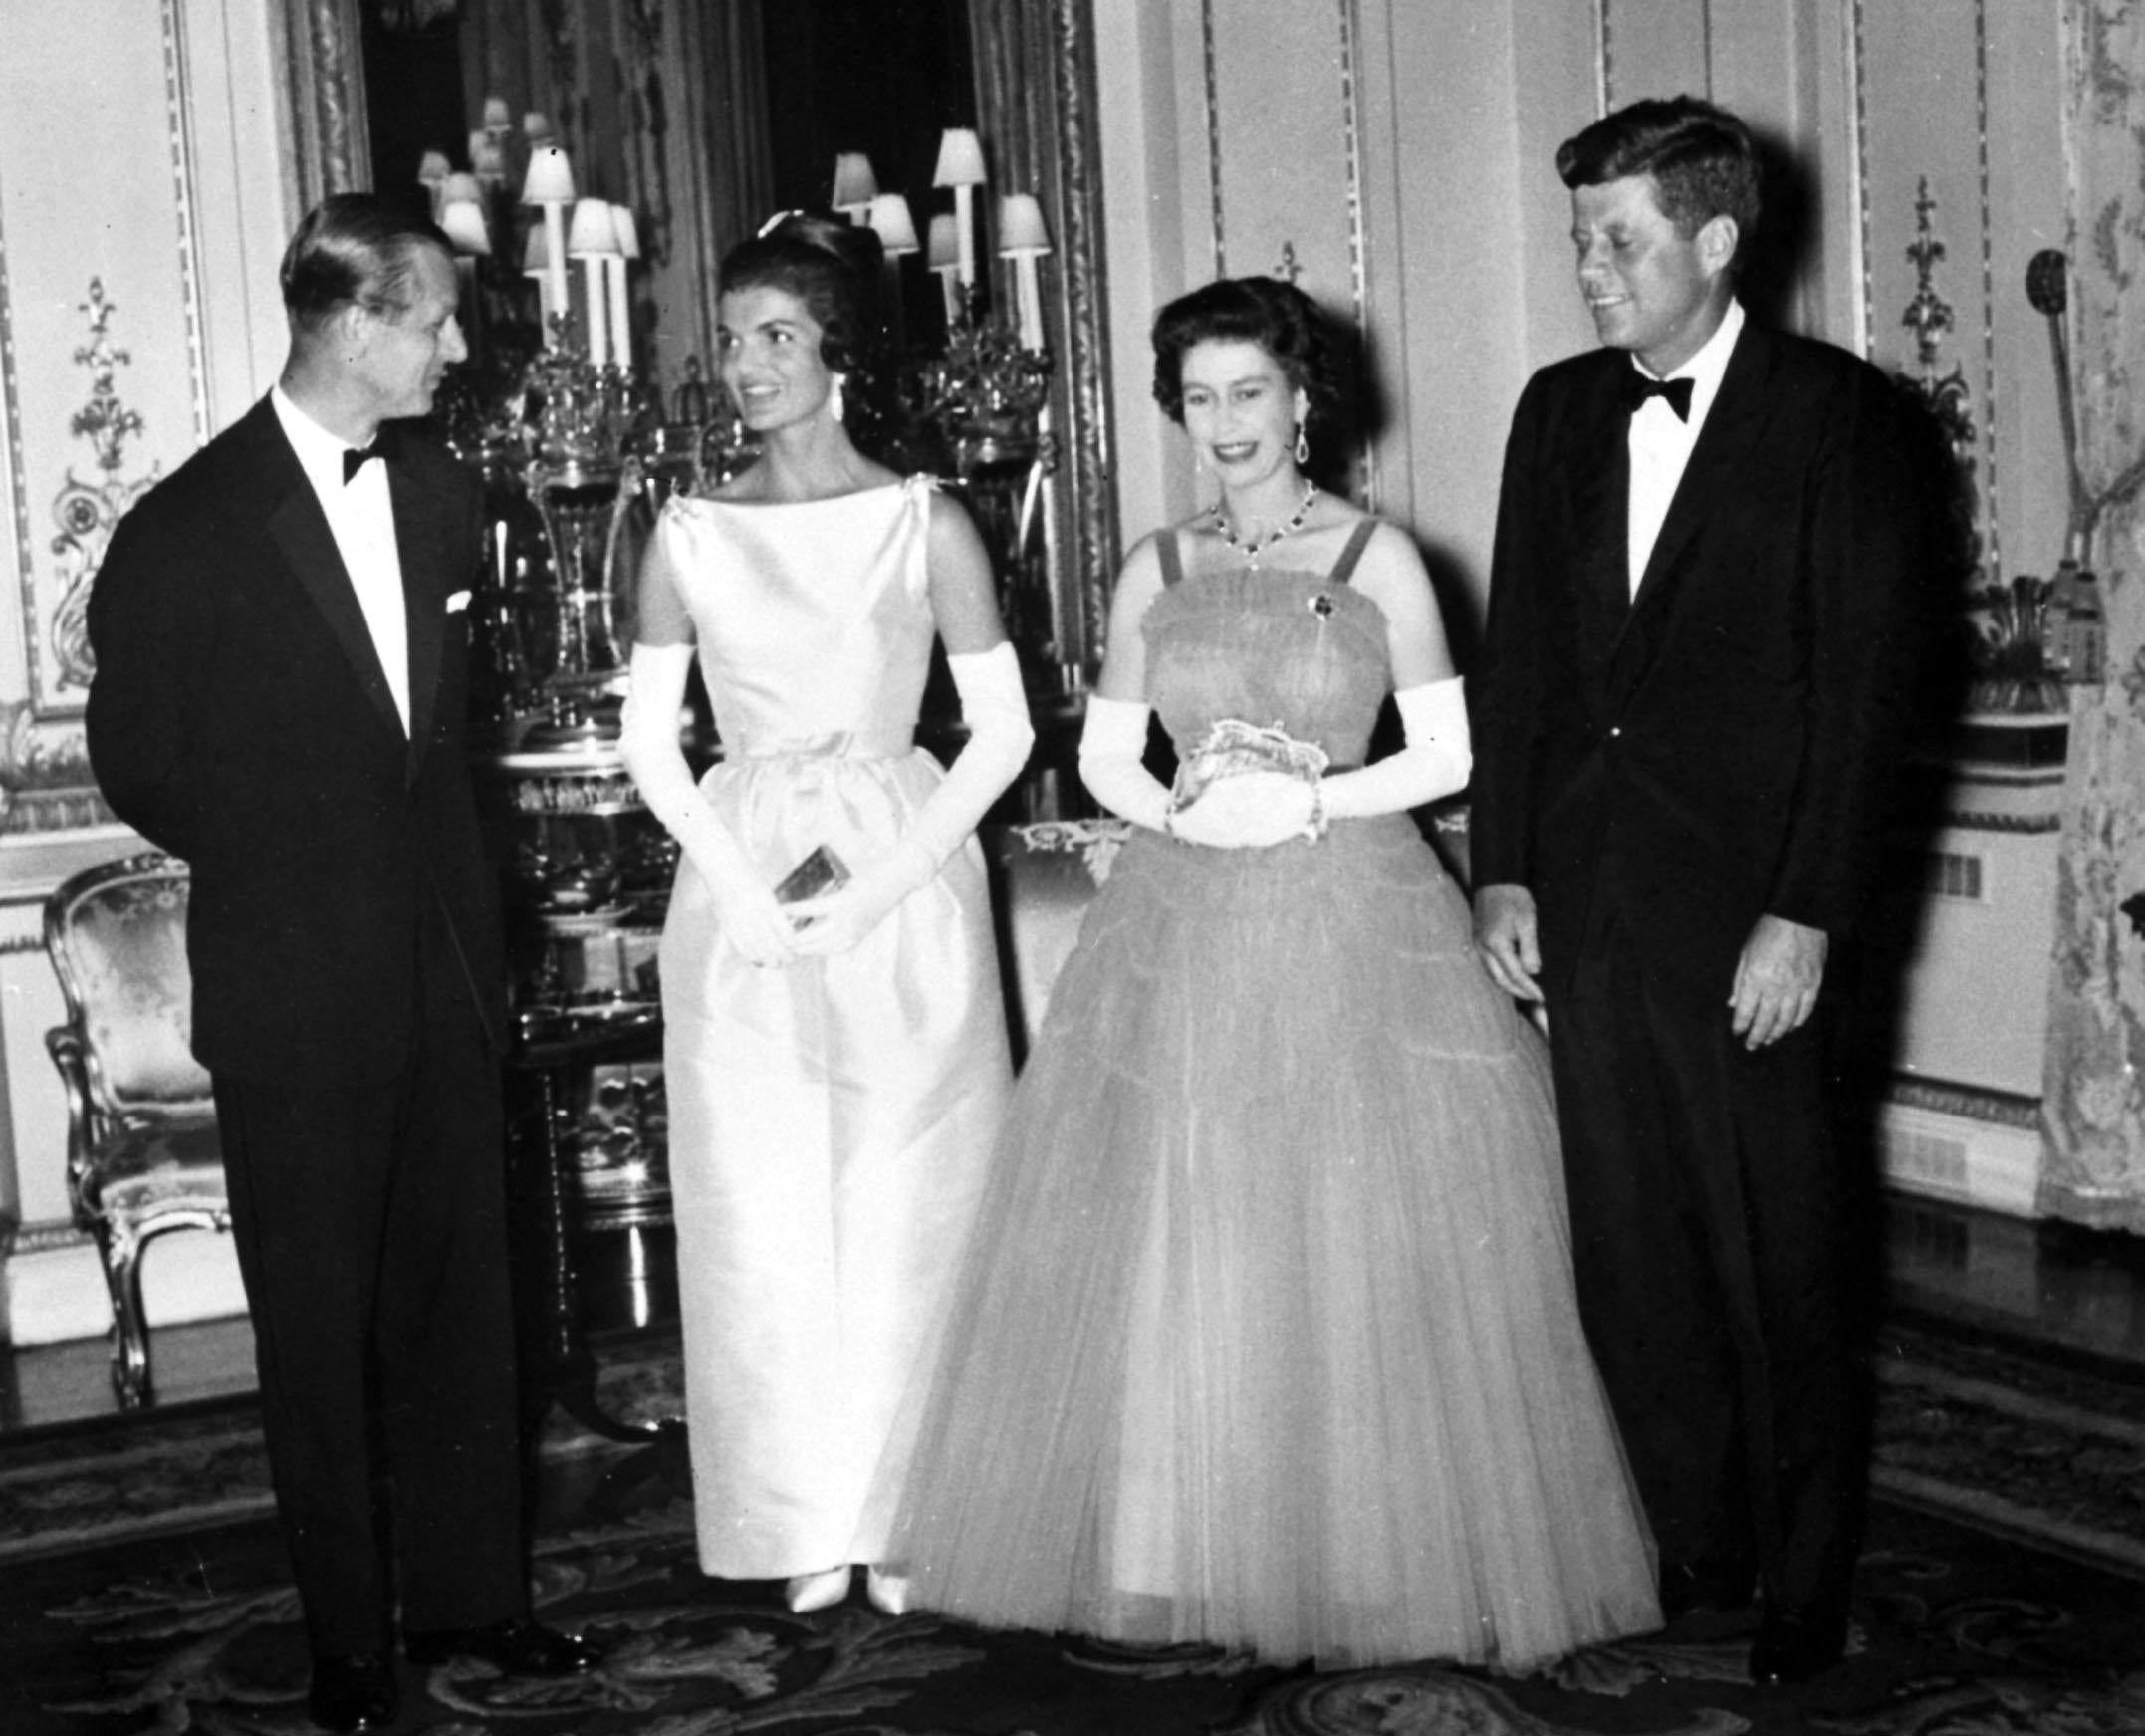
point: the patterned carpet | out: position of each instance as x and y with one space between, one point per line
141 1588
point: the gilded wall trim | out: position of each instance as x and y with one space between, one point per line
325 90
1994 542
11 406
1858 78
47 1237
1351 120
1605 59
1214 133
56 571
177 115
1035 98
1970 1103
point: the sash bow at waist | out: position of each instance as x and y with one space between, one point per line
840 744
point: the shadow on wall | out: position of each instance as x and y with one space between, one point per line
1771 273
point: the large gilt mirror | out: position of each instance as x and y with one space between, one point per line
695 113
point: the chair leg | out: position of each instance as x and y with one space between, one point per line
130 1382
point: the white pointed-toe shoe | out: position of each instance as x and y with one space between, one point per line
888 1591
809 1592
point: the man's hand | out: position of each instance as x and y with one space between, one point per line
1777 980
1505 937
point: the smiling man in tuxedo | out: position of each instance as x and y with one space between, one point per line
281 633
1710 545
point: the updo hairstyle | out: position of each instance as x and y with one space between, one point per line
831 266
1278 317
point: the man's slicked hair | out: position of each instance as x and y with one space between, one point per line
1701 158
354 248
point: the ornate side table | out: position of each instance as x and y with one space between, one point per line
589 881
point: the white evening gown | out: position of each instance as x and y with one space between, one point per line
830 1123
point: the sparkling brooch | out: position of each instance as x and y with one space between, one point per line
1321 605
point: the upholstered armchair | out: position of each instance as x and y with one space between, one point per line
142 1155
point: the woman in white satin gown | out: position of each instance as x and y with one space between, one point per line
836 1068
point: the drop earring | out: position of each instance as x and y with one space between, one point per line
1302 445
835 407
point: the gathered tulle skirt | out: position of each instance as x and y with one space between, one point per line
1266 1336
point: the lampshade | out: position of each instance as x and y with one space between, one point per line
551 179
622 226
854 184
1020 226
592 230
458 187
943 251
432 169
960 160
463 220
536 259
890 215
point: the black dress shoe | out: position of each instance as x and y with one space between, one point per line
1687 1591
517 1647
1796 1648
354 1693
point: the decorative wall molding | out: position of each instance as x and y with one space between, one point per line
1211 62
85 511
1858 78
1969 1103
104 356
1351 32
1993 535
324 89
1035 100
45 1237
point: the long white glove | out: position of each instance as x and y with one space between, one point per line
994 706
1435 762
1112 751
1250 810
745 906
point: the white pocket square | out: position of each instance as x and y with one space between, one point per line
458 603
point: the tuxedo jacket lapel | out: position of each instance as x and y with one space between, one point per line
1601 509
416 534
1725 446
300 531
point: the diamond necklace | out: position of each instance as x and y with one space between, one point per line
1251 551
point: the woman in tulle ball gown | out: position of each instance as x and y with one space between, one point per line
834 1044
1266 1336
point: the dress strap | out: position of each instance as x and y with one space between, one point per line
1342 568
1165 545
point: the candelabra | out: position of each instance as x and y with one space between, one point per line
979 407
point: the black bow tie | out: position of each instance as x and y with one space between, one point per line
1638 387
384 447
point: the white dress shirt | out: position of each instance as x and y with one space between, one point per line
1661 445
361 516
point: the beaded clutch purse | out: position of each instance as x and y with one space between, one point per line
1233 747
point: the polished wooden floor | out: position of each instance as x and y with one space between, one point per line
2077 1294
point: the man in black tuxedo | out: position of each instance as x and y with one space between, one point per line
1709 548
281 633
